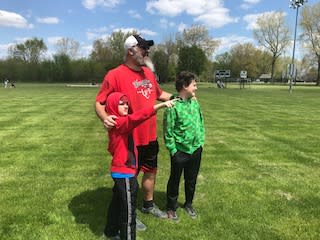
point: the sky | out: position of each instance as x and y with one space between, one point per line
229 21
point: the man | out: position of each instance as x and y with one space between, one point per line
139 83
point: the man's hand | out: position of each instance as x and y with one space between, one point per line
109 121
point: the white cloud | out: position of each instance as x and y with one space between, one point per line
104 32
182 26
21 39
92 36
251 19
96 33
249 3
147 32
4 50
91 4
48 20
165 24
11 19
134 14
143 32
54 40
212 13
227 42
85 50
216 18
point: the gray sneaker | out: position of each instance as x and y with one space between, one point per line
172 215
140 226
191 212
116 237
155 211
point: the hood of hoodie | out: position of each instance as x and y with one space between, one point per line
113 102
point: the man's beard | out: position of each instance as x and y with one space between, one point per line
149 63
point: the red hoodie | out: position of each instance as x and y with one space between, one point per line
121 146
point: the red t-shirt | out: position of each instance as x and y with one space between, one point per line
142 89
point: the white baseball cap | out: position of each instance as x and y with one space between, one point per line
135 40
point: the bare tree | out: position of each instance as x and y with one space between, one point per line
198 35
273 34
68 46
310 23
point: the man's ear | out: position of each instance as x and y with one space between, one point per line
131 51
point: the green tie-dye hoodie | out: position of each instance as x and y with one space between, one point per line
183 126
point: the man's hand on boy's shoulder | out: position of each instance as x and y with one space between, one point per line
110 121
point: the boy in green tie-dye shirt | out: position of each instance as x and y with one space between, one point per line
184 138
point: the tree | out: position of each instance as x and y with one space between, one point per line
115 43
244 57
165 58
160 60
223 61
273 34
62 68
100 51
197 35
68 47
309 67
110 51
30 51
263 60
310 23
192 59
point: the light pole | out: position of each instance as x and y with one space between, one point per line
295 4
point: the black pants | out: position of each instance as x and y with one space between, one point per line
122 209
190 164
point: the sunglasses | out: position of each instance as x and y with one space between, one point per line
122 103
145 48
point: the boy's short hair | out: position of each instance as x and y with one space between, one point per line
184 79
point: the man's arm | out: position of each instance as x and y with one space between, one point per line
108 120
165 96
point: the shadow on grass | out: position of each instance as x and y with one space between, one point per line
90 207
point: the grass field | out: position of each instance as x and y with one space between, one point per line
259 177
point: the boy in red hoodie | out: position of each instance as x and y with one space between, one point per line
121 214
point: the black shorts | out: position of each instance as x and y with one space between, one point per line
148 157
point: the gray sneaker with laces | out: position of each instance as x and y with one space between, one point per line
172 215
191 212
155 211
140 226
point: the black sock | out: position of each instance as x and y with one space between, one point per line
147 204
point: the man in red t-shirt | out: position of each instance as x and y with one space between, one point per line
139 83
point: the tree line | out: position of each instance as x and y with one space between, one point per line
190 50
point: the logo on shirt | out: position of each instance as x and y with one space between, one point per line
143 87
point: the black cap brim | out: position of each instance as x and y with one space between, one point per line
144 43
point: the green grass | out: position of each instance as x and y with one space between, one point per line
259 177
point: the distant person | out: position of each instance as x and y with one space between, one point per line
121 215
5 82
184 137
139 83
220 84
12 85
